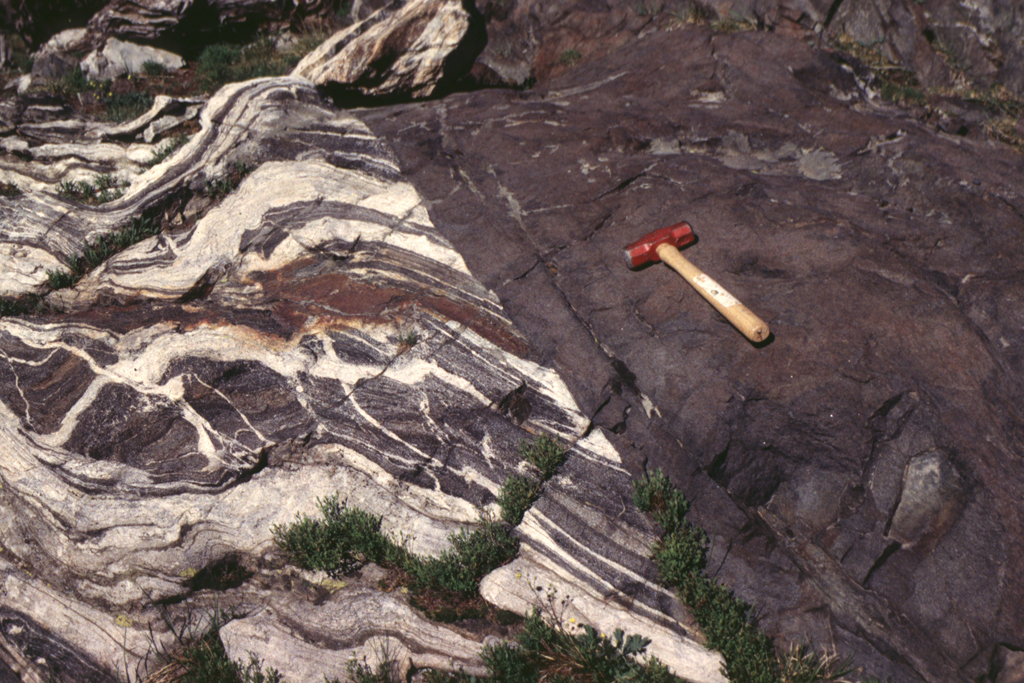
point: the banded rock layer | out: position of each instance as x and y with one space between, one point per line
311 334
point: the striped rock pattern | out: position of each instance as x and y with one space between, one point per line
310 334
406 48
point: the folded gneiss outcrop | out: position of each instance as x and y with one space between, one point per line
305 335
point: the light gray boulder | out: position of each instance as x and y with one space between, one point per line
118 58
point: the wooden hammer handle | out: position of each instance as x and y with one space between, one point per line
752 327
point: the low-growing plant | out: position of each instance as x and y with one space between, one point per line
657 495
681 553
569 57
801 664
516 496
61 279
734 23
472 555
343 540
199 657
386 670
545 453
226 184
70 84
167 149
104 188
30 303
680 556
222 63
9 190
126 106
152 68
215 61
101 249
346 538
554 652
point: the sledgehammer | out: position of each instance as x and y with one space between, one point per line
664 245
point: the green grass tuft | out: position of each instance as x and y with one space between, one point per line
151 68
70 84
658 496
553 652
227 63
569 57
200 658
472 555
225 185
516 496
341 541
545 453
346 538
99 250
104 188
681 557
126 106
9 190
167 149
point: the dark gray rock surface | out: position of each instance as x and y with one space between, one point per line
860 474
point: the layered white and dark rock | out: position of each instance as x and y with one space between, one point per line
311 334
407 48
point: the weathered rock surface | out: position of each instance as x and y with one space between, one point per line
860 473
940 41
213 381
118 58
408 48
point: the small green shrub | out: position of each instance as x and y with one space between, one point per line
681 557
545 453
9 190
151 68
99 250
167 149
342 541
126 106
200 658
657 495
225 185
516 496
472 555
224 63
681 553
104 188
569 57
546 652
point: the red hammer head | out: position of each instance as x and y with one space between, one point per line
645 249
